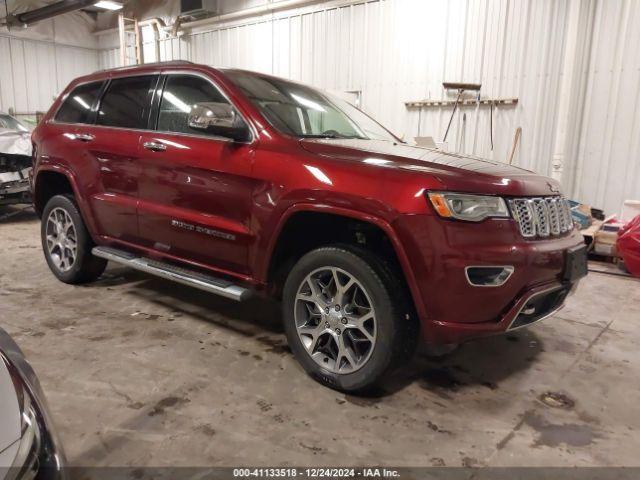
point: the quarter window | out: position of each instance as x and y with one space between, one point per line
77 106
126 102
181 93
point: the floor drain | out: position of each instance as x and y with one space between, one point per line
556 400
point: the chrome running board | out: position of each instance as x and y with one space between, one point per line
168 271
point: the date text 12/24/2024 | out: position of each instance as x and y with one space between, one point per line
305 473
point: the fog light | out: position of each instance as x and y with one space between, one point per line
488 276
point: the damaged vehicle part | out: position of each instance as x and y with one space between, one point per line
15 161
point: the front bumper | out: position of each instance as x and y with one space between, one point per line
440 332
451 309
18 191
15 186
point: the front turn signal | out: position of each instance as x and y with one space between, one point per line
440 204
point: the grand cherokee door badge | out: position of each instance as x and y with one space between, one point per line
197 228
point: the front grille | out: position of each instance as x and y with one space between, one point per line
542 216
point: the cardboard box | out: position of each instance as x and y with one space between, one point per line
605 243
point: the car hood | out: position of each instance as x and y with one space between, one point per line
15 142
453 171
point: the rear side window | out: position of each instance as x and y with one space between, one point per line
126 102
77 106
181 93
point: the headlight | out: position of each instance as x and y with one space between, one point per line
472 208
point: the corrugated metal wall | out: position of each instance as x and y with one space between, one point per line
398 50
608 155
393 51
37 62
33 72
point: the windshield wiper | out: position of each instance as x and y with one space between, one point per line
331 135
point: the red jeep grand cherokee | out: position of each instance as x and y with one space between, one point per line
237 182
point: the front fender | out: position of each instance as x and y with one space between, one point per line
83 206
265 260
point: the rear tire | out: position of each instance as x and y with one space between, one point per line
347 318
67 244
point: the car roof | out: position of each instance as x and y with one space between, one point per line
168 63
151 68
157 67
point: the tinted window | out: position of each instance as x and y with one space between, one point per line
181 93
77 106
126 102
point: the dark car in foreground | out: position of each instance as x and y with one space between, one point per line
29 447
237 182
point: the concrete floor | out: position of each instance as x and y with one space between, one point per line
140 371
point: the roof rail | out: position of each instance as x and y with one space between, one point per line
153 64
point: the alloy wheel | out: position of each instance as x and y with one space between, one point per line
61 238
335 320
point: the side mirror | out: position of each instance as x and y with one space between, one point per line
219 119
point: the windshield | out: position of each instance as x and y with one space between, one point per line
304 112
7 121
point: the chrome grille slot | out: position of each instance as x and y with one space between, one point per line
554 216
541 216
523 213
567 221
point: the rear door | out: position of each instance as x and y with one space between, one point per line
112 147
196 187
67 135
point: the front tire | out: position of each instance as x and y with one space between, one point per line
67 244
346 318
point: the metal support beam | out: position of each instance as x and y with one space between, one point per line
136 29
48 11
122 37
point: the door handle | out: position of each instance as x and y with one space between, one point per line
154 146
83 137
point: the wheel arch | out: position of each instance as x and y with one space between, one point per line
48 183
300 214
54 180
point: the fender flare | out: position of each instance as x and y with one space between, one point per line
85 211
384 225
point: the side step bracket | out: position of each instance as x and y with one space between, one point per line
181 275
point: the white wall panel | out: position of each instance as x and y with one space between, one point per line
34 72
393 51
608 163
399 50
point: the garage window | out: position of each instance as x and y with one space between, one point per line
77 106
126 102
181 93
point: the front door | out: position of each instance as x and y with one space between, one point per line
195 187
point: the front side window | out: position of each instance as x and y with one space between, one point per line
303 111
126 102
182 95
77 106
